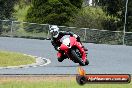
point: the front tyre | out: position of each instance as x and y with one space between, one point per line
76 57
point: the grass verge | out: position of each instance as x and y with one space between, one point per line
51 82
14 59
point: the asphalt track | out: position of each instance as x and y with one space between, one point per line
109 59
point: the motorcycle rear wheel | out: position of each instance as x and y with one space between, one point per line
87 62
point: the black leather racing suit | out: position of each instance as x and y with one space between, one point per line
55 41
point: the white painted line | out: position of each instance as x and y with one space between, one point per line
48 61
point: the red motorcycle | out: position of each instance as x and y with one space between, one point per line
74 50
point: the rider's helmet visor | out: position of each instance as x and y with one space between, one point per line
55 33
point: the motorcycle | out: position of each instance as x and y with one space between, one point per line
73 50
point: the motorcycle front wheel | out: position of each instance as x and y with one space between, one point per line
77 57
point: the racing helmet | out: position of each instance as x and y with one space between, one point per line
54 30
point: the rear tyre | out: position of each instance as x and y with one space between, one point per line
77 58
87 62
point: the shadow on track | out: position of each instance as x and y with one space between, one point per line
68 66
63 66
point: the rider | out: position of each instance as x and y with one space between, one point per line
56 35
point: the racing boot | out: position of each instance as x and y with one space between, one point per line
61 57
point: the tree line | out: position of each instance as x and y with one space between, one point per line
117 8
106 14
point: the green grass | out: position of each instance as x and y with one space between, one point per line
14 59
58 84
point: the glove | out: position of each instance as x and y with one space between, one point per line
74 35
